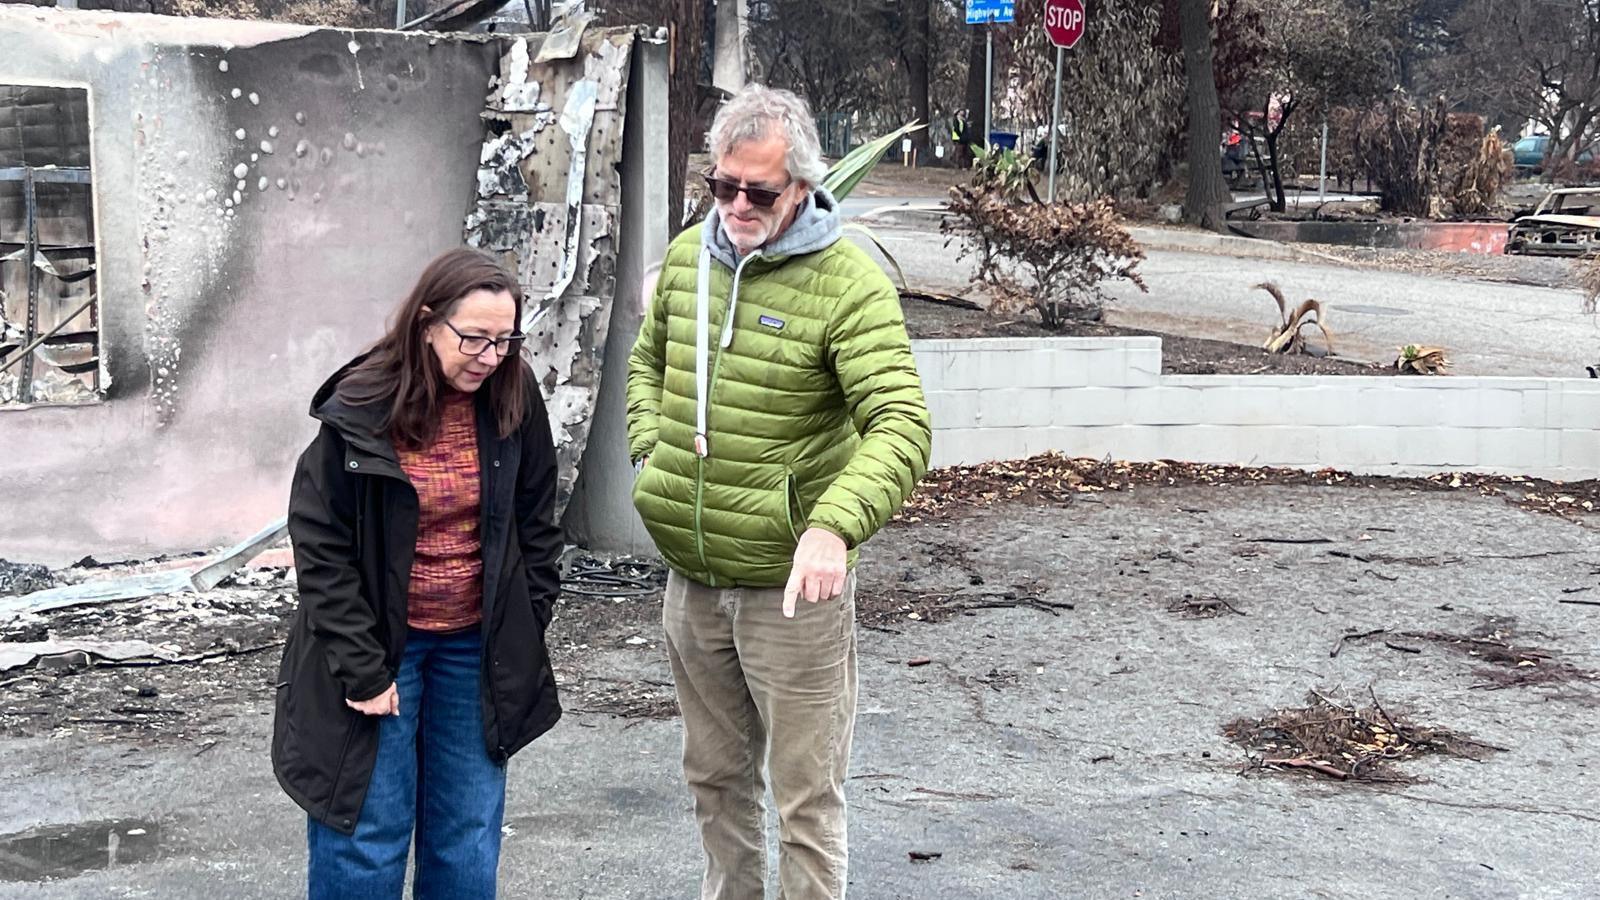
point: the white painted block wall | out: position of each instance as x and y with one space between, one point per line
1007 398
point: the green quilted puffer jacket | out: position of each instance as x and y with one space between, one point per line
814 415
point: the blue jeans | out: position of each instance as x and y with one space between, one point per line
432 772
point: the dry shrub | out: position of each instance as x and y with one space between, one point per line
322 13
1463 132
1400 150
1049 258
1571 173
1589 282
1474 163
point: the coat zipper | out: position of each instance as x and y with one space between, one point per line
489 469
700 463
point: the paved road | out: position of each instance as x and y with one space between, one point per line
1045 756
1488 328
858 206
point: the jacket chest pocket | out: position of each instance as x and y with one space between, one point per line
775 358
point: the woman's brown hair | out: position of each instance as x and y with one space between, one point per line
402 370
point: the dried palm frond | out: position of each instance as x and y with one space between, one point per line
1287 337
1415 359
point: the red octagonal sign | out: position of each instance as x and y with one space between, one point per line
1063 21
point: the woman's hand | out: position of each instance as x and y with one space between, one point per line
385 704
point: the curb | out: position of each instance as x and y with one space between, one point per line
1225 245
1155 238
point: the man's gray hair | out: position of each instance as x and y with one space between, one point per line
754 112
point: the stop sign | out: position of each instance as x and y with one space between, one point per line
1063 21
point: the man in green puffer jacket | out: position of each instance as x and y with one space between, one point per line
777 420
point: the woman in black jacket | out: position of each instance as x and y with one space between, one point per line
426 553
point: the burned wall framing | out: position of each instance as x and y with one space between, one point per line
50 348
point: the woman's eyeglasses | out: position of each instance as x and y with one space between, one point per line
474 345
725 191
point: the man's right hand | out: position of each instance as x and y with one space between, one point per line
385 704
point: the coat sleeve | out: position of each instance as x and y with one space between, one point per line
539 537
322 526
871 357
647 366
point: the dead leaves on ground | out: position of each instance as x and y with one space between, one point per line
1502 663
1344 741
1054 479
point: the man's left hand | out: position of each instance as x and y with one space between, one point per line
819 569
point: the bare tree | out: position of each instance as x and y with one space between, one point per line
1540 58
685 22
974 99
917 54
833 54
1126 96
1316 54
1207 191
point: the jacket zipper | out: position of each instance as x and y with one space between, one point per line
700 463
485 657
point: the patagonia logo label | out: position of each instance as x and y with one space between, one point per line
772 322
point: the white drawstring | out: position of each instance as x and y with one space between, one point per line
702 334
702 341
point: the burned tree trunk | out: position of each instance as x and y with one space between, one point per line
976 40
919 60
685 21
1207 191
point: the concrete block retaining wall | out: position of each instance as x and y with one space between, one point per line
1008 398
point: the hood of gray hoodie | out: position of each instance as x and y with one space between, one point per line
815 227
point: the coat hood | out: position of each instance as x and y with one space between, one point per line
816 226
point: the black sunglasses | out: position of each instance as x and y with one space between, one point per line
725 191
474 345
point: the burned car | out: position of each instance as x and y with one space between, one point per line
1566 223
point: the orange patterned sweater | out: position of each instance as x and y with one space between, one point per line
447 574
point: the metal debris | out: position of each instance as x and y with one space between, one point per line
131 587
18 655
549 208
564 40
150 584
576 120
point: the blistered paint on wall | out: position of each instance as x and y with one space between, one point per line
266 195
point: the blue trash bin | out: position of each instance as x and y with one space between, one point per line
1005 140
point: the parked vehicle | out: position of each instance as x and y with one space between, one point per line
1529 154
1566 223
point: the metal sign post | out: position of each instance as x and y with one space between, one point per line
1055 127
1322 174
988 86
1064 24
989 13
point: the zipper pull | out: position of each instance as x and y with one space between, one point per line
701 448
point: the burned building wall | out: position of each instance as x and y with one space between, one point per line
265 194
